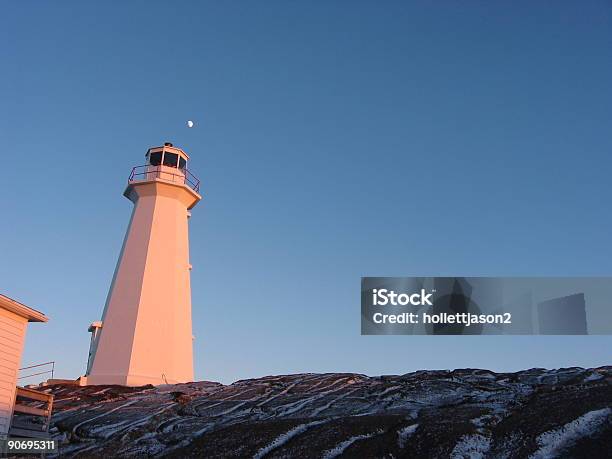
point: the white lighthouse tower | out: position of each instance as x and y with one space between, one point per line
145 334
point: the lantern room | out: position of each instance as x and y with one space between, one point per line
167 156
167 163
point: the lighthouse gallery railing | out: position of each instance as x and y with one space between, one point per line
148 172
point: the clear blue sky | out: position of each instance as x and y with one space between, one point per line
334 140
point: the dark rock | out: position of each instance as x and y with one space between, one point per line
460 413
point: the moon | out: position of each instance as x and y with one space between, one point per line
189 124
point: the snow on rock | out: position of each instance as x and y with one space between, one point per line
404 434
553 442
339 449
471 447
284 438
594 376
460 413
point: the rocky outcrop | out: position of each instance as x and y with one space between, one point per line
461 413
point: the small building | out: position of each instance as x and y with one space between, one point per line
14 318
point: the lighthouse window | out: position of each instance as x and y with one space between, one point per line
170 159
155 159
182 163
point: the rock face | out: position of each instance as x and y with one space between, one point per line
462 413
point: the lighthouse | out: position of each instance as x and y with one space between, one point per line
145 335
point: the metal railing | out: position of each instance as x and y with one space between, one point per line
149 172
45 364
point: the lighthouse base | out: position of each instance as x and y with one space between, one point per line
126 380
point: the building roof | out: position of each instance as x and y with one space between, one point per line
21 309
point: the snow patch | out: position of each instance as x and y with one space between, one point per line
388 390
341 447
318 410
106 413
551 443
404 434
471 447
593 377
106 431
284 438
